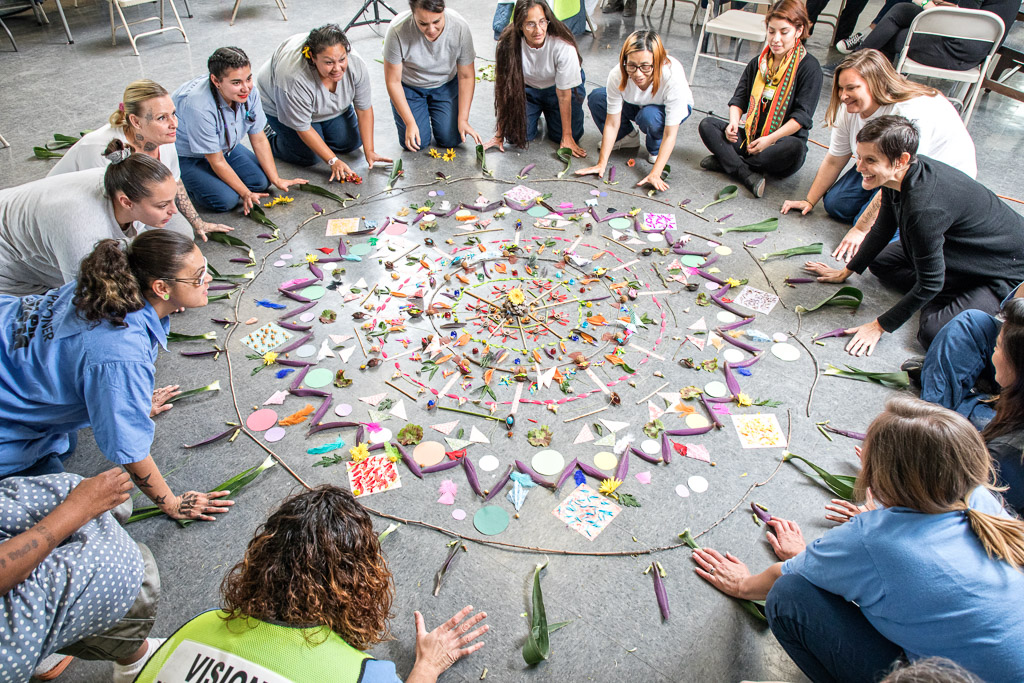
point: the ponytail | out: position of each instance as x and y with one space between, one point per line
133 175
113 279
135 95
1002 537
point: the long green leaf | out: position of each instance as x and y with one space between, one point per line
767 225
231 240
173 337
316 189
725 194
848 296
795 251
481 160
215 386
43 153
537 647
754 607
396 172
840 484
257 214
893 380
564 154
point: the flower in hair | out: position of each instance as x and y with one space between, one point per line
306 53
120 106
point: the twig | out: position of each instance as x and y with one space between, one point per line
360 340
810 394
767 279
400 390
652 393
592 412
618 243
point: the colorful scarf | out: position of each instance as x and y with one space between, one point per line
774 90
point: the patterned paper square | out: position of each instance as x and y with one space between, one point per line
266 338
587 511
659 221
374 474
521 194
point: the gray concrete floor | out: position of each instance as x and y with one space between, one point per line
616 630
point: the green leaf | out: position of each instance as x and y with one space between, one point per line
229 240
565 155
537 647
666 171
795 251
554 627
396 171
43 153
173 337
387 532
316 189
725 194
481 160
767 225
848 296
893 380
627 500
840 484
214 386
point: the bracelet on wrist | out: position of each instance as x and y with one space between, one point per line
332 161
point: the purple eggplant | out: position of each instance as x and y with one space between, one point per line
839 332
440 467
659 591
611 175
297 381
666 448
730 380
407 459
799 280
317 273
474 481
644 456
329 425
713 278
322 410
539 480
566 473
756 241
360 433
623 468
497 488
222 287
293 363
689 431
297 285
712 414
859 436
342 249
526 170
591 471
296 297
761 512
295 327
308 393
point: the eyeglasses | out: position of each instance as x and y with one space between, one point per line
645 69
194 281
533 25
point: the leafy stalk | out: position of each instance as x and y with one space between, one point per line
795 251
564 155
840 484
725 194
215 386
316 189
848 296
173 337
537 647
481 160
767 225
257 214
449 561
396 171
893 380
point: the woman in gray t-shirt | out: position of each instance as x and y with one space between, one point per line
316 95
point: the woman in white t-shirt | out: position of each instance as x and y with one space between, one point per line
539 71
316 95
144 121
647 89
864 87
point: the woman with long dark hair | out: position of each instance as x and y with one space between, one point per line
888 584
539 72
83 356
312 594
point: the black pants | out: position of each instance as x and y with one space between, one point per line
894 269
846 22
782 159
890 35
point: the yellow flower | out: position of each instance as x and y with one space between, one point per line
306 53
732 282
449 155
608 486
312 258
743 400
269 358
516 296
404 211
360 452
433 153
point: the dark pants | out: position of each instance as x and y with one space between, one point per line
847 21
545 101
960 355
48 464
436 112
341 134
829 638
782 159
894 269
207 190
650 119
890 35
847 198
889 4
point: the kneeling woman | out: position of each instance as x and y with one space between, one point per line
316 94
311 595
83 355
778 93
647 88
539 71
888 583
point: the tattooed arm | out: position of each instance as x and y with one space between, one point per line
190 214
190 505
21 554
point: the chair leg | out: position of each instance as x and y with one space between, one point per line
234 11
113 26
177 18
700 41
3 142
281 6
127 28
590 24
188 11
8 32
64 23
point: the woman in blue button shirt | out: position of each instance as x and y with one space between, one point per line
215 113
82 355
933 571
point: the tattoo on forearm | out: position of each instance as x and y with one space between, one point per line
15 555
45 532
142 482
188 503
185 206
159 500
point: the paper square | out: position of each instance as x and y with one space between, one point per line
756 300
587 511
759 431
374 474
266 338
342 226
659 221
521 194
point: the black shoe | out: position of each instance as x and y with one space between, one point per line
614 6
912 366
755 182
711 163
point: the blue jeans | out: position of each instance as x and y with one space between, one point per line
436 112
959 356
847 199
207 190
829 638
650 119
341 134
545 101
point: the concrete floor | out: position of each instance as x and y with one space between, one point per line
615 628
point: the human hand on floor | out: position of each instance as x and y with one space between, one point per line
373 157
577 151
787 540
161 397
726 573
598 170
865 337
497 141
843 510
206 227
850 245
448 643
802 205
826 273
198 505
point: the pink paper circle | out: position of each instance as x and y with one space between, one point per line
261 420
459 514
274 434
343 410
396 228
280 264
307 316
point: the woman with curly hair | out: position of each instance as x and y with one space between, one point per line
316 94
83 356
539 71
312 594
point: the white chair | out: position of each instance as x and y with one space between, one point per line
830 19
733 23
280 5
119 5
649 5
954 22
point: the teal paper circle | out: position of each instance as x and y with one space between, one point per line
313 292
490 520
318 377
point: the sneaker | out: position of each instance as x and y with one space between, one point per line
631 141
629 8
912 366
711 163
755 183
613 6
126 673
51 667
848 45
651 158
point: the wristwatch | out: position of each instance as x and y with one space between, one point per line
332 161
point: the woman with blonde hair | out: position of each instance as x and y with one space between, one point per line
647 89
865 86
939 552
144 121
778 94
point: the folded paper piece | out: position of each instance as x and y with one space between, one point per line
340 338
653 412
325 351
373 400
521 485
643 477
457 444
346 354
697 452
613 425
361 284
399 410
277 399
696 341
476 436
584 436
699 325
606 440
445 427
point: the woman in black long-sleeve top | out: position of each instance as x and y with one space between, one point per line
779 93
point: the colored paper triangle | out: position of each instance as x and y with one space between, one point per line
340 338
373 400
456 444
613 425
699 325
325 351
696 341
653 412
606 440
277 399
584 436
445 427
399 410
346 354
361 284
476 436
698 452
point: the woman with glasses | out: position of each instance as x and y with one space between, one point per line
49 225
777 93
646 90
539 71
214 113
82 355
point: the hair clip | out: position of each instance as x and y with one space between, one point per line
306 53
120 106
119 155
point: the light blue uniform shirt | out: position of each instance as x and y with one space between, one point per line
207 126
925 583
60 373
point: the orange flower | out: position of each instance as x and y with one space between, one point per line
631 163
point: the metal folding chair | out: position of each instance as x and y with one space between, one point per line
732 23
119 5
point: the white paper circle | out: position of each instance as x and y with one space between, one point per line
459 514
280 264
307 316
274 434
786 352
655 237
428 218
716 389
726 317
380 437
682 491
287 256
697 483
488 463
780 337
651 447
305 351
712 285
733 356
696 421
548 462
343 410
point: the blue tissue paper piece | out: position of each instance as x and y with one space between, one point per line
579 477
285 372
744 372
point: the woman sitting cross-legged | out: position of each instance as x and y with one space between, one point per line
647 88
311 595
935 571
778 93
